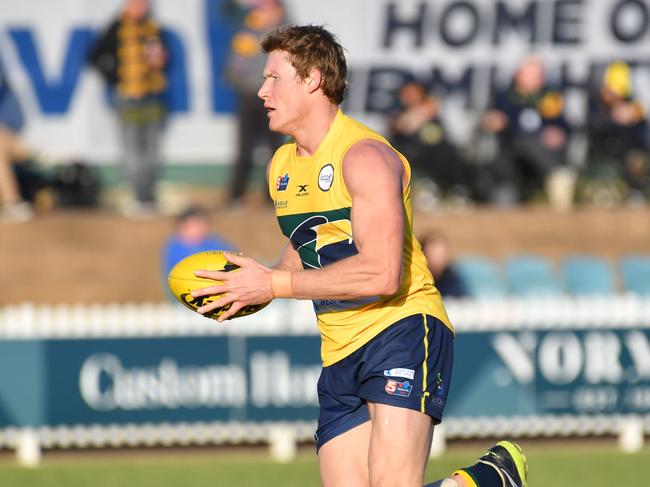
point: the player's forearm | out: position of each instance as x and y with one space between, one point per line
289 260
351 278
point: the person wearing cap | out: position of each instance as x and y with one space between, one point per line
617 131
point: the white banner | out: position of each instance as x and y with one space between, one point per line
458 47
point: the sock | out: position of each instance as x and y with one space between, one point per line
443 483
481 475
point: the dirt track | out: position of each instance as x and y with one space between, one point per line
98 256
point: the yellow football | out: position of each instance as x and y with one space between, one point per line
182 282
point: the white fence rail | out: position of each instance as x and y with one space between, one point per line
31 320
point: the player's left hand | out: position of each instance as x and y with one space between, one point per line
250 284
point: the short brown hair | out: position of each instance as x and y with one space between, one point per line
312 47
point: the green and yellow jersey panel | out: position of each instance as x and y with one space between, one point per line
313 206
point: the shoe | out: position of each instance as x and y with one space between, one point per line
509 461
17 212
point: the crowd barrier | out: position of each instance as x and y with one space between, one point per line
158 374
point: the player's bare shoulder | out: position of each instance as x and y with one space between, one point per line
371 157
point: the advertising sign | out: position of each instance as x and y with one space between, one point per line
176 379
458 48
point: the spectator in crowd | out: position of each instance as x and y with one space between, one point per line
131 57
417 131
253 18
439 259
191 235
532 135
12 151
617 131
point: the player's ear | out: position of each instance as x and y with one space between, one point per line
313 81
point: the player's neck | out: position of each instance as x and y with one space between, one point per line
314 129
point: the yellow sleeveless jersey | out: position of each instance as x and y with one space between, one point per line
313 208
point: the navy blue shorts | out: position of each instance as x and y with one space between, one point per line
407 365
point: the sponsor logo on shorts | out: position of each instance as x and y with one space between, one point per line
396 388
436 401
440 386
399 372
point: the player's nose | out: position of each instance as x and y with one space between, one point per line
263 92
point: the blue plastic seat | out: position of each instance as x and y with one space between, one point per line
482 276
635 273
531 275
588 275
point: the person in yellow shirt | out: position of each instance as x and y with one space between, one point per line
342 198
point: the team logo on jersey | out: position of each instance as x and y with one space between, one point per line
331 233
396 388
326 177
321 242
282 182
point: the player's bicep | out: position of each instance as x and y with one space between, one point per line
373 174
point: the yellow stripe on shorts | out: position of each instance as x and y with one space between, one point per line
424 364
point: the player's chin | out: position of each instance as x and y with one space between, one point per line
273 125
275 121
278 126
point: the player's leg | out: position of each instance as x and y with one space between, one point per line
343 461
393 449
399 446
400 440
343 434
406 377
150 161
130 148
405 369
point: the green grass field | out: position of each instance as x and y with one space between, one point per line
551 465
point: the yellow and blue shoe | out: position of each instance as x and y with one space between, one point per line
509 461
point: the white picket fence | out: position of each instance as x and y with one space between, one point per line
32 320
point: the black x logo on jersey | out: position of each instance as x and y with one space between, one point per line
302 188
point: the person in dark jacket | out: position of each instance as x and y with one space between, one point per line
439 259
532 132
252 20
131 57
417 130
617 131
